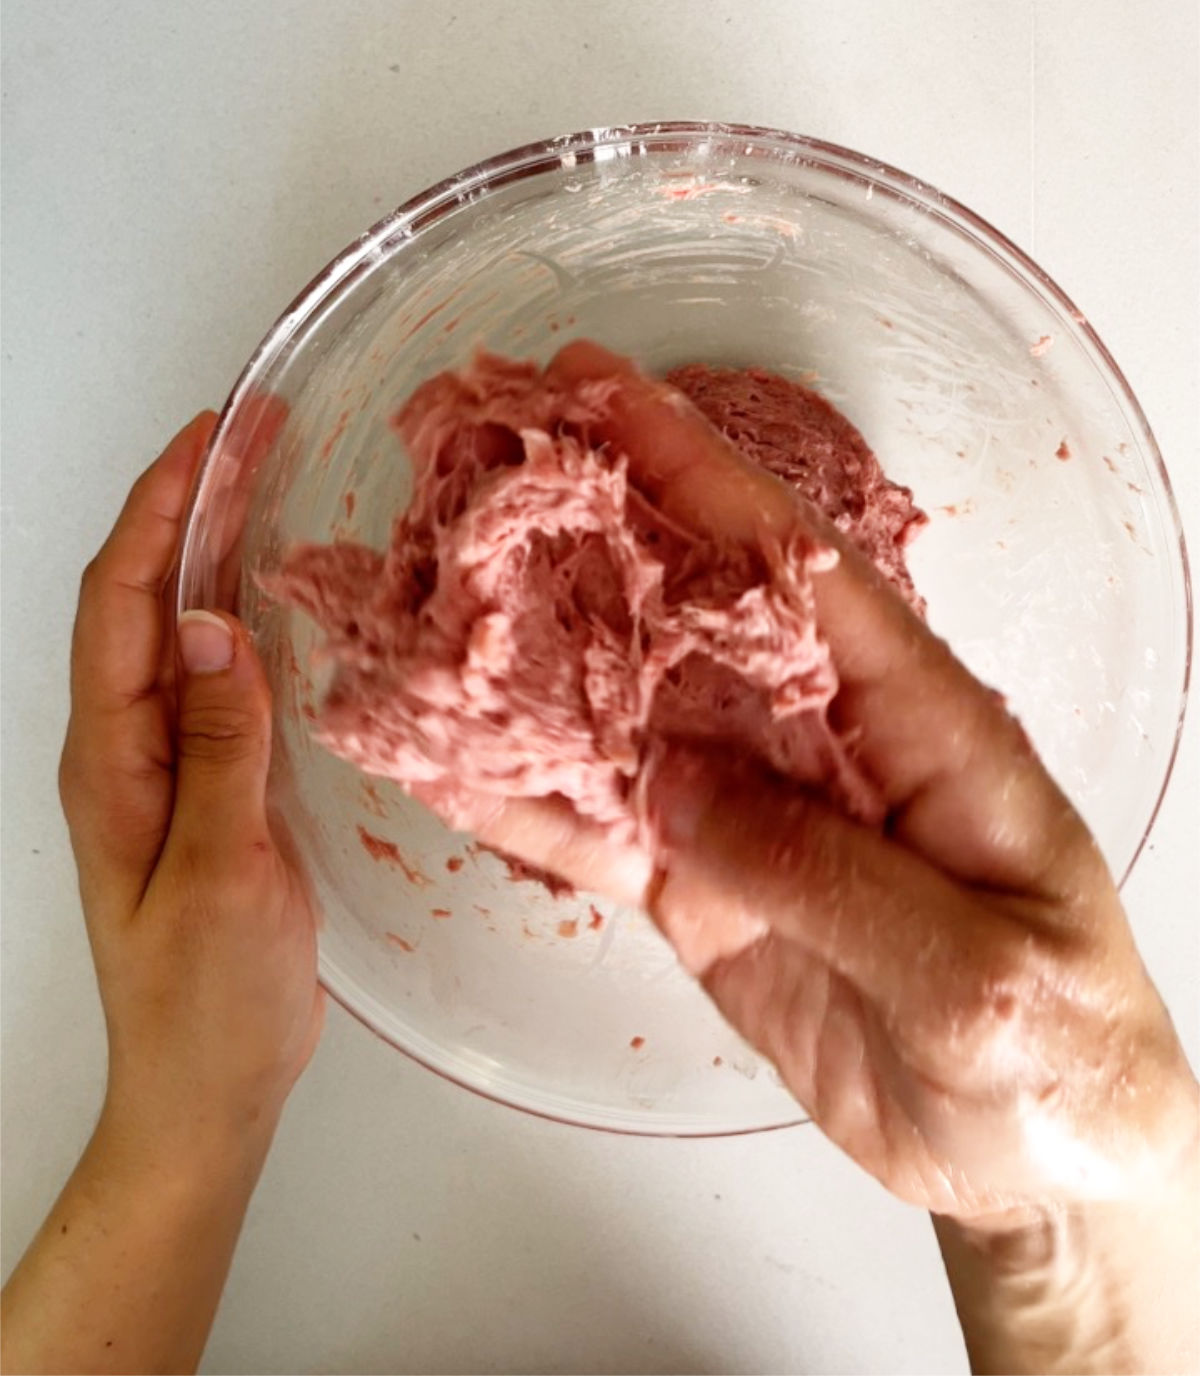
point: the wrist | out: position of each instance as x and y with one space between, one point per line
198 1147
1088 1286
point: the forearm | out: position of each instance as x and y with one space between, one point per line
126 1273
1095 1288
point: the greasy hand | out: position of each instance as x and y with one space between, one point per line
957 1001
202 932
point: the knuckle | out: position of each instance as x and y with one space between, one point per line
990 1021
92 575
83 780
799 840
71 792
68 777
217 884
142 484
222 733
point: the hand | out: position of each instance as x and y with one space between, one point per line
205 950
957 1001
202 932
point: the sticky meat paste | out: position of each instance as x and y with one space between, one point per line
536 626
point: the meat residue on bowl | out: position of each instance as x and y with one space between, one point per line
379 848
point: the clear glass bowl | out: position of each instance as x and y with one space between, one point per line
1054 564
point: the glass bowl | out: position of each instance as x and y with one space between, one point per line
1053 564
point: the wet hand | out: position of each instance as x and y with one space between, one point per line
955 999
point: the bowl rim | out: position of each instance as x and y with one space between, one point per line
626 141
678 1132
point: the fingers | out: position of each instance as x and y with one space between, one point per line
223 742
116 769
809 1021
227 494
119 628
962 785
677 458
550 834
830 1050
745 858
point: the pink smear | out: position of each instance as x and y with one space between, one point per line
334 435
692 191
520 872
959 508
427 317
378 848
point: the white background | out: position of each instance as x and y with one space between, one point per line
172 175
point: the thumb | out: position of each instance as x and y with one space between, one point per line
224 735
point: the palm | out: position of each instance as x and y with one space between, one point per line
836 1055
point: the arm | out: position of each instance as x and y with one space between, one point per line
127 1270
205 952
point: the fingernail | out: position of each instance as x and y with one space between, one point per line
205 643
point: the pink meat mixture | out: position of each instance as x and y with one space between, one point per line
537 627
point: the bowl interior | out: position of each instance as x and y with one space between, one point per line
1053 563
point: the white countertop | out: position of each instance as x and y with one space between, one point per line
172 175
